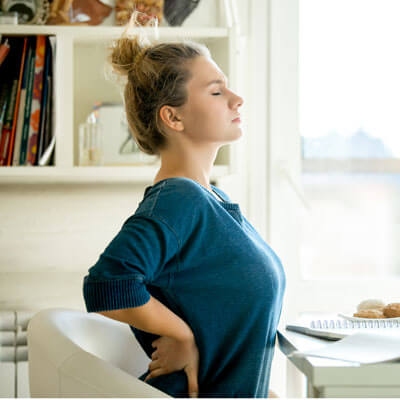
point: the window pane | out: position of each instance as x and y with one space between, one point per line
353 228
348 101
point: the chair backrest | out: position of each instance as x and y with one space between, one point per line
57 335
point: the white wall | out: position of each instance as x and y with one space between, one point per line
51 234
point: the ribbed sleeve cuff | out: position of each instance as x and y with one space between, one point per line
114 294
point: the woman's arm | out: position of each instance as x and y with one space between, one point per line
153 317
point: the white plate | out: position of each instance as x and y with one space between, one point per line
351 318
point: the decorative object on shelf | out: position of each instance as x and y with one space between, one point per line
78 12
93 12
59 12
8 18
90 142
29 11
119 146
148 9
176 11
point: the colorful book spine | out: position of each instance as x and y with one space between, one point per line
48 156
14 123
43 113
27 113
36 101
4 90
6 131
8 140
3 109
22 102
4 50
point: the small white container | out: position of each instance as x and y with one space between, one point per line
90 144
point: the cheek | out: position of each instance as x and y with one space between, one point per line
206 115
200 113
212 110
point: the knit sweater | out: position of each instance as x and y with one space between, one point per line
202 259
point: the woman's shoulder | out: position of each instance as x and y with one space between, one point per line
172 196
178 202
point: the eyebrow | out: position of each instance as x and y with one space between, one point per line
217 81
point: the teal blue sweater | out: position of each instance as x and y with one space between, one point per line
201 258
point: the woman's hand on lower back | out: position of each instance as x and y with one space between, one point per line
174 355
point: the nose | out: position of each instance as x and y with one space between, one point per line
240 101
237 101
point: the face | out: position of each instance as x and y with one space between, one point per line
212 107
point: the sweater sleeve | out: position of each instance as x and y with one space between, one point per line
135 256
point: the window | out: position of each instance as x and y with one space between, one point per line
349 98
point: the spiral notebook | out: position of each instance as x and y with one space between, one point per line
339 328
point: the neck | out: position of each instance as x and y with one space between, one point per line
189 162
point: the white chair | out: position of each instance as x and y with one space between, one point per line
72 353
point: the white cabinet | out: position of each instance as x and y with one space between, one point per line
80 82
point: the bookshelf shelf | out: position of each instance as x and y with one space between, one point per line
133 174
94 33
80 82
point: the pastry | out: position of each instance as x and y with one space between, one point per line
371 304
392 310
373 313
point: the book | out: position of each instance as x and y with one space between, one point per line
49 138
4 90
362 348
22 102
3 109
34 124
8 121
16 58
4 50
45 102
336 329
28 104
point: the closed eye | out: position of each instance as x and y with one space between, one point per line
216 94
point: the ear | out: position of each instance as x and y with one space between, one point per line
171 118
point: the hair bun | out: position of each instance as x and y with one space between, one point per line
125 55
128 51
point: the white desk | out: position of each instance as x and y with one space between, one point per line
331 378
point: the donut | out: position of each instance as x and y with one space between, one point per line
371 304
373 313
392 310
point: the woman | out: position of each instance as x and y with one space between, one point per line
200 289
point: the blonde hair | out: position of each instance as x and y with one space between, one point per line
155 75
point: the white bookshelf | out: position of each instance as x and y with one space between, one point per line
80 82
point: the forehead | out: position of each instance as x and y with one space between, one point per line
205 70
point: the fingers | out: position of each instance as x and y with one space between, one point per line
154 365
193 386
154 373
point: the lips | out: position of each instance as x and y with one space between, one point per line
236 119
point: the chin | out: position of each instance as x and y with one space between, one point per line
238 133
234 137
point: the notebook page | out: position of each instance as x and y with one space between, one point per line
362 348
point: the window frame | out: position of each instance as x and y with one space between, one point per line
284 154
